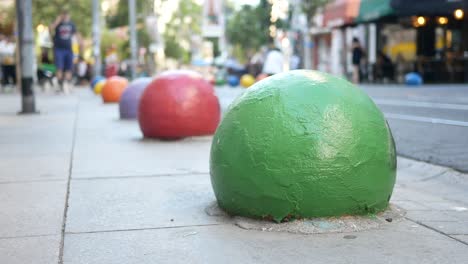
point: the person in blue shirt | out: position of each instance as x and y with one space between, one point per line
64 30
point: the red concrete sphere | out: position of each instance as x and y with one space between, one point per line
178 104
113 89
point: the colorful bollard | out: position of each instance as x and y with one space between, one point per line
247 80
233 80
128 105
219 81
178 104
413 79
98 86
95 80
113 89
303 144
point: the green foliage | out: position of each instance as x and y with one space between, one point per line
46 11
185 22
245 28
238 52
248 28
173 49
110 38
119 17
143 38
7 16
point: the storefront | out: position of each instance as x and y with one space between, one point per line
441 36
379 21
332 43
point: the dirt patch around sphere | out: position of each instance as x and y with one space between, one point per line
320 225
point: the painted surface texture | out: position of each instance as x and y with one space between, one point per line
113 89
178 104
303 144
128 105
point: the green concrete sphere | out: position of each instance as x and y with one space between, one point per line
303 144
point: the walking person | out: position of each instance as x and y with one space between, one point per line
7 56
64 30
2 44
45 70
81 71
256 63
357 56
274 61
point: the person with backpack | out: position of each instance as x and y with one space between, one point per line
64 30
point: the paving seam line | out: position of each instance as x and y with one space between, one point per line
28 236
31 181
141 176
422 104
414 160
144 229
436 230
67 194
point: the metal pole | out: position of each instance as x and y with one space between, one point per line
26 54
133 36
97 37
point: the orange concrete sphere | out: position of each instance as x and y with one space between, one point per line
113 89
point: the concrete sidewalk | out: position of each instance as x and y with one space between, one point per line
77 185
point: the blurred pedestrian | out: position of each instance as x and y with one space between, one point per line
81 71
357 56
46 69
2 43
124 69
112 61
256 63
384 69
7 58
64 30
294 62
274 61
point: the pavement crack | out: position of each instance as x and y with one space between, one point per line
436 230
70 170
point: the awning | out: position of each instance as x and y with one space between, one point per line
340 12
371 10
427 7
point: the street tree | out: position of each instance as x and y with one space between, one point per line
118 16
45 12
7 18
247 29
184 24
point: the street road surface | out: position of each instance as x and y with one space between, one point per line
429 123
